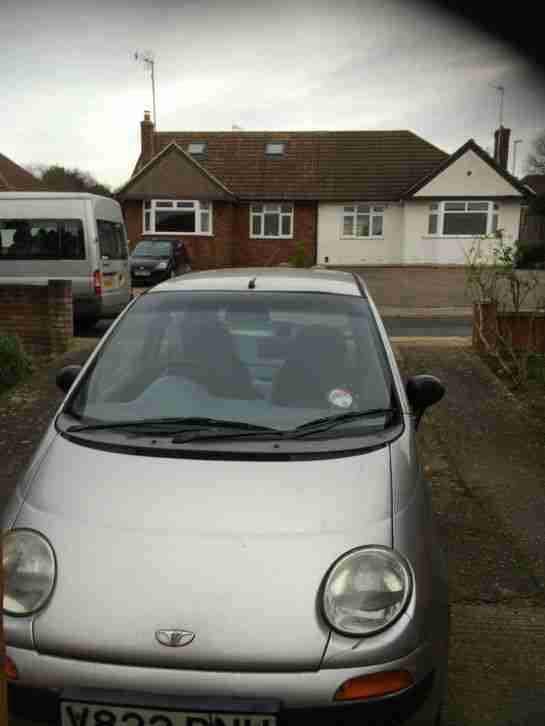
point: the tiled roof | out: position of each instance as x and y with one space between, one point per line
13 178
324 165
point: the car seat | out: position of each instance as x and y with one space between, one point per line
210 346
315 366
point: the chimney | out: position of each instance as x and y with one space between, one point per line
501 146
147 135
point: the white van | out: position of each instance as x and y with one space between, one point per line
68 236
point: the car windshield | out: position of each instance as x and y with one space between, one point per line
267 359
152 249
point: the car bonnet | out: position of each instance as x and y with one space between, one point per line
233 551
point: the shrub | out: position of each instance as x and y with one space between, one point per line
530 255
299 258
15 365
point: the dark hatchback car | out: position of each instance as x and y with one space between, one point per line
153 261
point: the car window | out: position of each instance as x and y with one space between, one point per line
152 249
275 359
35 239
111 240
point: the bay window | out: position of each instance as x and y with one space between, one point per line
271 220
363 220
463 219
176 216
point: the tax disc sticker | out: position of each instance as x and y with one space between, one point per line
340 397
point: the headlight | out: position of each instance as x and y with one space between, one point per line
162 266
366 590
29 571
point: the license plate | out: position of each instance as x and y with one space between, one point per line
74 713
142 273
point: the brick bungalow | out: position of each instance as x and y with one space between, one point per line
13 178
352 197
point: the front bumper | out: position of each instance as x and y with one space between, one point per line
153 278
45 680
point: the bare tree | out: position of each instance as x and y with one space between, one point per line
535 162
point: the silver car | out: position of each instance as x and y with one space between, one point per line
226 523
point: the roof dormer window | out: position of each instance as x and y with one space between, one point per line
275 149
197 148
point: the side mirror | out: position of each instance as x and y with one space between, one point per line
423 391
66 376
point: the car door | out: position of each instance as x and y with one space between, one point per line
113 265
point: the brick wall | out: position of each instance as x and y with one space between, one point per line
204 252
523 331
132 212
41 315
248 251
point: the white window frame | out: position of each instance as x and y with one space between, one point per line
275 149
438 210
372 209
201 209
199 148
269 208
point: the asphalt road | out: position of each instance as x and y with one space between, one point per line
396 327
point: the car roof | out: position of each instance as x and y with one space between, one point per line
277 279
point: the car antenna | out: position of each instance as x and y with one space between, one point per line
251 284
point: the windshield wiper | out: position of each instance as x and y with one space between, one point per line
329 422
173 425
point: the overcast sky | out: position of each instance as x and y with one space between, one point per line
73 95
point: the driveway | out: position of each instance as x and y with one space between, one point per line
486 465
486 459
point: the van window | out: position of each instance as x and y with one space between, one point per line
42 239
112 240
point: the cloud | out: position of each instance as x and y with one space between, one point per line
76 96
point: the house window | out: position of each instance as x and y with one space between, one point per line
196 148
363 220
275 148
271 220
173 216
463 219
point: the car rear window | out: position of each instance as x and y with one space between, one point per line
111 240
